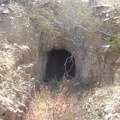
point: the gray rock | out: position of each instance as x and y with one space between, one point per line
3 118
6 11
4 1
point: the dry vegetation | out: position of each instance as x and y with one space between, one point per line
61 104
68 103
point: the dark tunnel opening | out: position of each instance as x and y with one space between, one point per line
60 63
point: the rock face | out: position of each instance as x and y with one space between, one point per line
16 83
17 47
4 1
92 63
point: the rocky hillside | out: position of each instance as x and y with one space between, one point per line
16 63
16 84
33 33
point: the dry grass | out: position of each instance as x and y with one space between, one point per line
110 3
58 105
63 104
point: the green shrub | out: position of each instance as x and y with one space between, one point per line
40 17
71 13
114 42
76 13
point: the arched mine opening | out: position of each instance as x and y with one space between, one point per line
60 63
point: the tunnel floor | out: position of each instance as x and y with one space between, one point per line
60 63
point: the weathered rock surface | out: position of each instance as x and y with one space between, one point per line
103 104
16 84
16 62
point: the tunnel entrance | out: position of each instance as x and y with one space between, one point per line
60 63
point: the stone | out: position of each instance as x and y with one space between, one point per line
107 109
109 116
3 118
4 1
6 11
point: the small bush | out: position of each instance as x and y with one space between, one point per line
40 16
114 42
70 13
76 13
